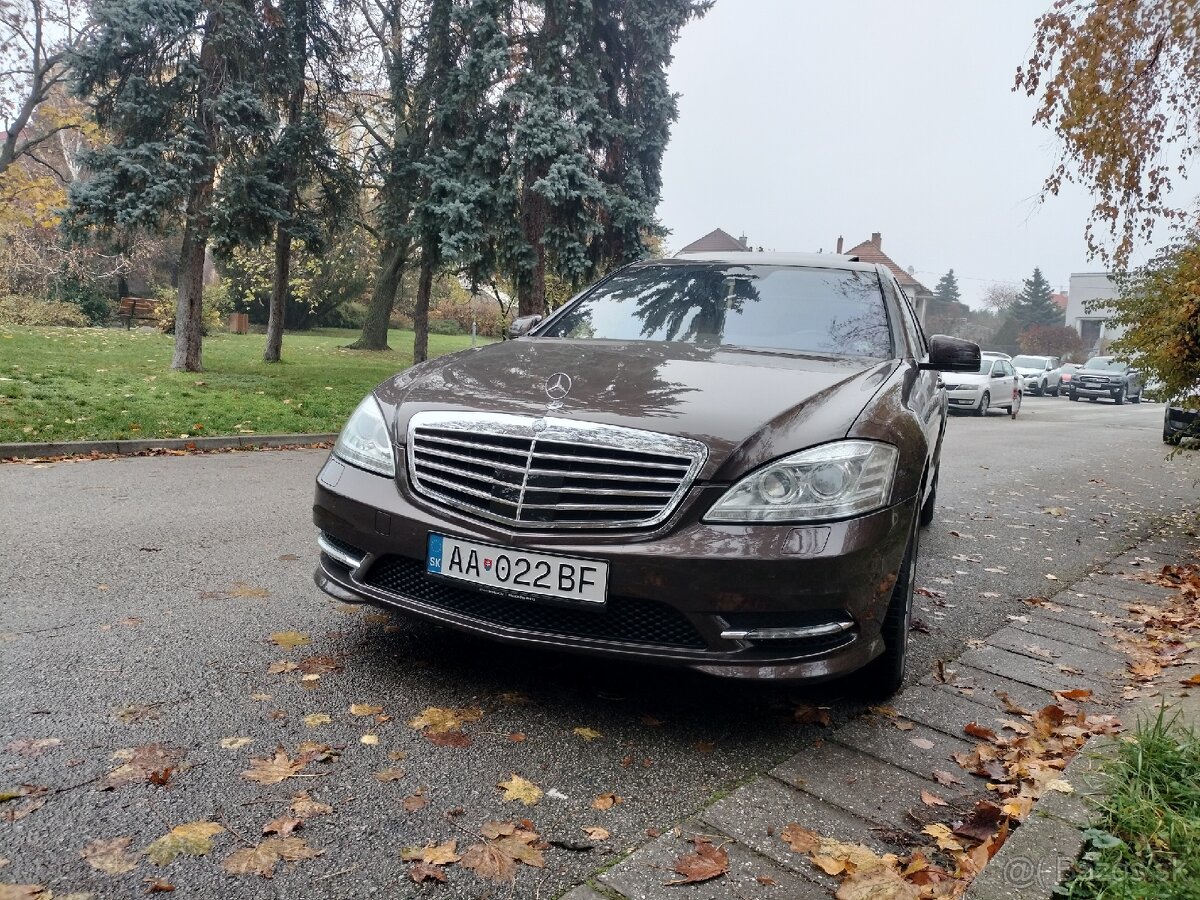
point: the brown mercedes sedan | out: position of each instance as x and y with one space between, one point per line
715 461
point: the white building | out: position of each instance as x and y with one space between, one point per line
1091 324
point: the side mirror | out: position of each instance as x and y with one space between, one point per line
951 354
522 326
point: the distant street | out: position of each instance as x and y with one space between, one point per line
140 596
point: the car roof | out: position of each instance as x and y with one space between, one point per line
755 258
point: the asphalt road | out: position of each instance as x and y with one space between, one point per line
154 583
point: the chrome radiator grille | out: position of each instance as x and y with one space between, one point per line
540 473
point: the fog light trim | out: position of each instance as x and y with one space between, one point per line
788 634
337 553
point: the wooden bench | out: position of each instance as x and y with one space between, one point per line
141 309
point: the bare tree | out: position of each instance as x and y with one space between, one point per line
35 38
999 297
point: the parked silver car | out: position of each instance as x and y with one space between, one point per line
1041 374
995 384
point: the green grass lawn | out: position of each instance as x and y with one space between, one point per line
68 384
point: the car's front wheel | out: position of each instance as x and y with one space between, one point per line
1074 396
884 675
1119 397
1137 398
984 402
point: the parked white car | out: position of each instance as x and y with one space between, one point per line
1041 374
996 384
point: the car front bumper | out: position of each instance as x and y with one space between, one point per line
964 399
684 594
1095 390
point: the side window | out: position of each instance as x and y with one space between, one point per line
912 326
1008 369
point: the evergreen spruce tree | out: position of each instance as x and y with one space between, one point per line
1034 305
179 84
590 115
947 289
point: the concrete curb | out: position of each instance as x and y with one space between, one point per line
860 779
139 447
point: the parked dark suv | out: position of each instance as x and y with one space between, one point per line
716 461
1108 377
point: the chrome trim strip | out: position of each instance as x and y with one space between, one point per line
788 634
336 553
682 455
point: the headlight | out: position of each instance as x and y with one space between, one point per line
364 442
828 482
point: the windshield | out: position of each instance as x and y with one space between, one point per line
831 312
1029 362
1105 364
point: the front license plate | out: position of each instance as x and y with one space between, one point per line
546 575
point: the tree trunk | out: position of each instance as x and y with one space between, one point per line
392 256
189 307
421 310
531 289
279 289
277 310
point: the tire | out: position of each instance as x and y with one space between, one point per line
884 675
1138 398
984 402
1041 391
1119 397
1074 396
929 507
1057 390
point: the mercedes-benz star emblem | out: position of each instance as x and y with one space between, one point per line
558 385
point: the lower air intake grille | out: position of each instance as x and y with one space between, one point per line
623 619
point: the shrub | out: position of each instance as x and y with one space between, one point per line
16 310
444 326
167 299
92 299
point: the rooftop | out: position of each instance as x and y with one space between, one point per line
872 251
716 240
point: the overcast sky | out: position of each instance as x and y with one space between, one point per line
801 121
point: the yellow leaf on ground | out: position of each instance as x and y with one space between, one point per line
518 788
440 719
435 855
261 859
588 734
235 743
304 807
289 640
275 769
596 833
606 801
1061 786
878 883
364 709
109 856
312 720
191 839
389 775
369 739
943 835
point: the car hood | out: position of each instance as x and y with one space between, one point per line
1024 370
1106 372
719 396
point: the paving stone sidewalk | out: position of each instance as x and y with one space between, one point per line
862 782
